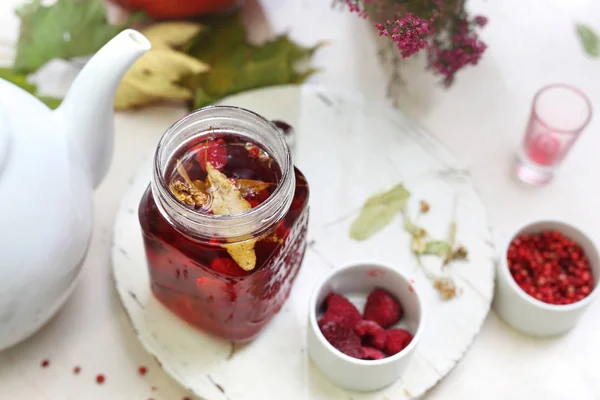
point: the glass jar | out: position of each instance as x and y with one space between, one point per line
191 272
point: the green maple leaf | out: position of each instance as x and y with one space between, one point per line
378 211
589 40
66 29
20 80
238 66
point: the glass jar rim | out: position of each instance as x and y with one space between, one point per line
203 226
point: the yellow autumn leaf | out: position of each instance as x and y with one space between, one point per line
156 75
227 200
171 34
252 186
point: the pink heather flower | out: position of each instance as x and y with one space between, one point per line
409 33
480 20
355 6
465 49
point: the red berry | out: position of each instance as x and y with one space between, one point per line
227 266
371 333
76 370
341 337
100 379
382 308
369 353
213 151
340 310
142 370
550 267
397 340
45 363
254 152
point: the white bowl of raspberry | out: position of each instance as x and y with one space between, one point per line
548 275
366 350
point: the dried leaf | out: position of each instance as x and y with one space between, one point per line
378 211
418 245
66 29
228 200
412 229
589 40
171 34
437 247
460 253
446 287
155 76
242 253
248 186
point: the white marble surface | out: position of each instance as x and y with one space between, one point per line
481 119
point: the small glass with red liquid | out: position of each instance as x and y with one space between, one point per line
558 116
191 271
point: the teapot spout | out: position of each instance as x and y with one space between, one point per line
88 108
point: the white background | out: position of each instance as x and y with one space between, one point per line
481 119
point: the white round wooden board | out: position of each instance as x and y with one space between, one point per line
349 148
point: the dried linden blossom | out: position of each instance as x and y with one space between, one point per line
188 192
446 287
227 200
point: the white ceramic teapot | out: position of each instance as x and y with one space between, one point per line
50 161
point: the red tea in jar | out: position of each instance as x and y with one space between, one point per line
224 221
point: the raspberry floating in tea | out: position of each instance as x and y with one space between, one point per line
364 337
550 267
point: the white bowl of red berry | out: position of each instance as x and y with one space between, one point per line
365 321
547 277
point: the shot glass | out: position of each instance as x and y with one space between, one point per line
559 114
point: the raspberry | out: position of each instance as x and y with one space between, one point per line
369 353
371 334
227 266
397 340
340 310
382 308
341 337
213 151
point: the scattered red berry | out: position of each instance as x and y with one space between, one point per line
371 334
154 388
45 363
341 337
370 353
213 151
76 370
382 308
186 398
142 370
397 340
550 267
341 310
227 266
100 379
